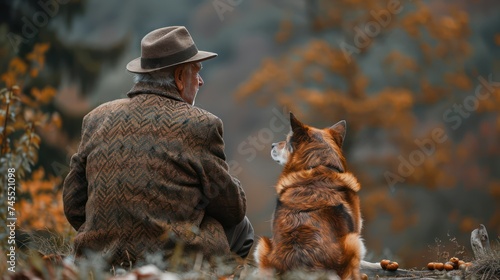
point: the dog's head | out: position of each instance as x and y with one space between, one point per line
307 147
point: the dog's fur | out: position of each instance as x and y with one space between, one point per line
317 220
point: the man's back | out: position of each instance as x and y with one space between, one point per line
156 172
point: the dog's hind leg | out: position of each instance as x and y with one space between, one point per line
352 256
262 251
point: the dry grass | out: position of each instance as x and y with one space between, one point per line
180 266
487 267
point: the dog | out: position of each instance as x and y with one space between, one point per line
317 221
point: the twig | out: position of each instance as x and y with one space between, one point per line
4 132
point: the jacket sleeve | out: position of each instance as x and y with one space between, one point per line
75 186
223 196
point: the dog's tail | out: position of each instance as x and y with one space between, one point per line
369 265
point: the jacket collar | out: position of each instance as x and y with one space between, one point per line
145 88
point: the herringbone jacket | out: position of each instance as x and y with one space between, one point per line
150 171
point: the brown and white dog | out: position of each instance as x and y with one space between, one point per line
317 221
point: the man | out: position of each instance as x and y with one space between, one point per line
150 171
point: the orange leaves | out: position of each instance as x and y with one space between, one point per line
315 98
492 102
321 53
24 109
413 21
378 200
39 205
459 80
497 39
449 28
494 192
270 71
449 32
313 62
45 95
424 70
494 189
432 94
285 31
37 58
44 209
38 53
468 224
401 63
17 68
56 120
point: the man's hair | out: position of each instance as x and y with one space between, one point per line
163 77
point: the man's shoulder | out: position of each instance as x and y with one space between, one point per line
105 108
196 120
203 114
108 106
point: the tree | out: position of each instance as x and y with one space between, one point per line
418 118
23 25
21 114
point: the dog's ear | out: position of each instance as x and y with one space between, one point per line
338 132
298 128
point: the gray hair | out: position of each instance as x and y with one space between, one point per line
163 77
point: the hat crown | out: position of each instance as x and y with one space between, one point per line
166 41
166 47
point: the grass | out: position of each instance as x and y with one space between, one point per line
487 266
42 259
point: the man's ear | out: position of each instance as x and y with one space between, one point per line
298 128
178 77
338 132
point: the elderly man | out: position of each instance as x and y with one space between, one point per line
150 171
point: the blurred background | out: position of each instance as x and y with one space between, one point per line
418 83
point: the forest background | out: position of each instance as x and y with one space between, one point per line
418 83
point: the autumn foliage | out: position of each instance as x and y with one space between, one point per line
42 209
422 90
23 115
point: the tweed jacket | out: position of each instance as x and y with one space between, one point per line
150 171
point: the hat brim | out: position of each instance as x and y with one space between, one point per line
134 66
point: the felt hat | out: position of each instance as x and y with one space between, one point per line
165 47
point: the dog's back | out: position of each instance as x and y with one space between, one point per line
317 221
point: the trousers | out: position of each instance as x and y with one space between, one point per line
240 237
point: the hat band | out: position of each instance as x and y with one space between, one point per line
157 62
